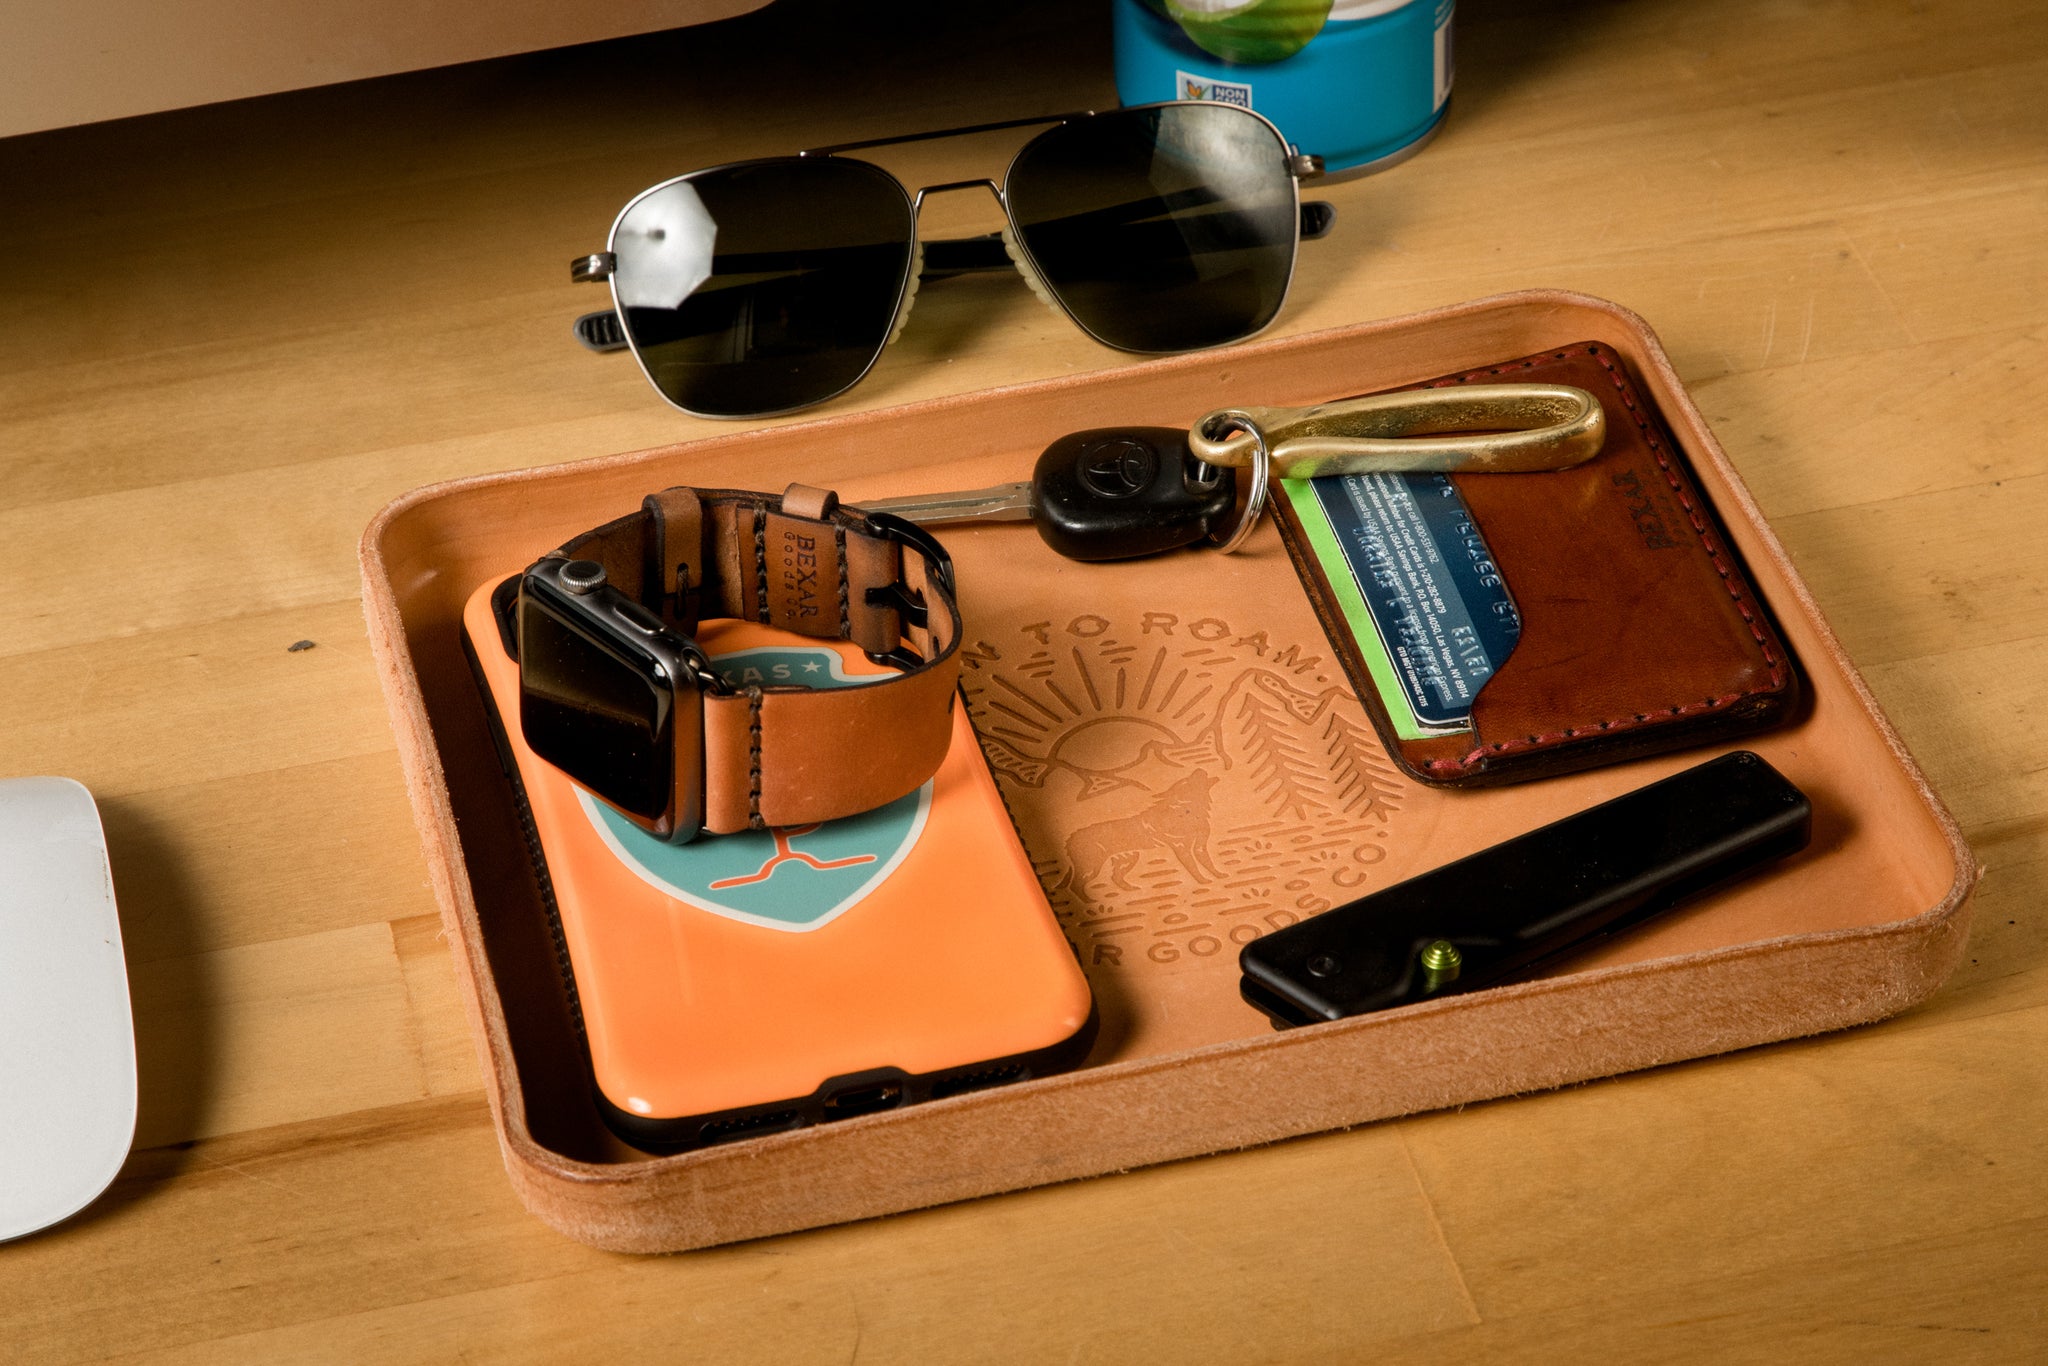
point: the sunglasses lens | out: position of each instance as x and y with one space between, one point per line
758 288
1161 229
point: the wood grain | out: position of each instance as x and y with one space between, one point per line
232 333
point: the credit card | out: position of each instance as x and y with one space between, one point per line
1424 600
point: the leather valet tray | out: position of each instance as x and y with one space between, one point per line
1188 768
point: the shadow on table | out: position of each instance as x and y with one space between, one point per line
1502 44
174 1000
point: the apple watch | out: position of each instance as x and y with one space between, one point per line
614 691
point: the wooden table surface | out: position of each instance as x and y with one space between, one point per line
230 335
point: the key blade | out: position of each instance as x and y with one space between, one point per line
998 503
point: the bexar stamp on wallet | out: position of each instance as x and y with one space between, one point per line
1500 627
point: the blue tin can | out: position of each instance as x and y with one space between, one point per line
1361 83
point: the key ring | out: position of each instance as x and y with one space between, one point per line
1215 427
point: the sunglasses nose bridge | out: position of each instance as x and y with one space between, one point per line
1011 246
946 187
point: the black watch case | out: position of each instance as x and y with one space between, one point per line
613 696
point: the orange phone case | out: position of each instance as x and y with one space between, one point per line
747 983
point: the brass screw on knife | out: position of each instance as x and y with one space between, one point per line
1440 963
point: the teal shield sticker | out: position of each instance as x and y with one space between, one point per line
796 878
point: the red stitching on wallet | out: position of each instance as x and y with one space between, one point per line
1572 732
1722 567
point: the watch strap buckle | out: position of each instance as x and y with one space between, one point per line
898 596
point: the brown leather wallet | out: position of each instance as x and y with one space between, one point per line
627 595
1639 630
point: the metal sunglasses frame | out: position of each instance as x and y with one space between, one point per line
603 266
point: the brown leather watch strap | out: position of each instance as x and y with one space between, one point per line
789 755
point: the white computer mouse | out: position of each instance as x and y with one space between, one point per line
67 1037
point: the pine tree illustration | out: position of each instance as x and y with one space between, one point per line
1365 785
1280 769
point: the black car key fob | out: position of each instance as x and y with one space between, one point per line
1507 910
1115 493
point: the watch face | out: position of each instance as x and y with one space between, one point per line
594 709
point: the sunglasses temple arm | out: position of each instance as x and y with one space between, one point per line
601 331
963 255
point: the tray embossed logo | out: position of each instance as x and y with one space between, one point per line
1183 784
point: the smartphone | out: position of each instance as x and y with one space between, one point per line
745 984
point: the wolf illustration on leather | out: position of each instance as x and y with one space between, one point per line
1178 822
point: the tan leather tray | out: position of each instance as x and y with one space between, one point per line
1187 768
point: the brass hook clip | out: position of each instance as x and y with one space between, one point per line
1472 429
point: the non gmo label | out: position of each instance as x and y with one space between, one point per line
1195 87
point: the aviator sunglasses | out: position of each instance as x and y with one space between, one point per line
764 286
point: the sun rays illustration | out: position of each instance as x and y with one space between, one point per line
1110 719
